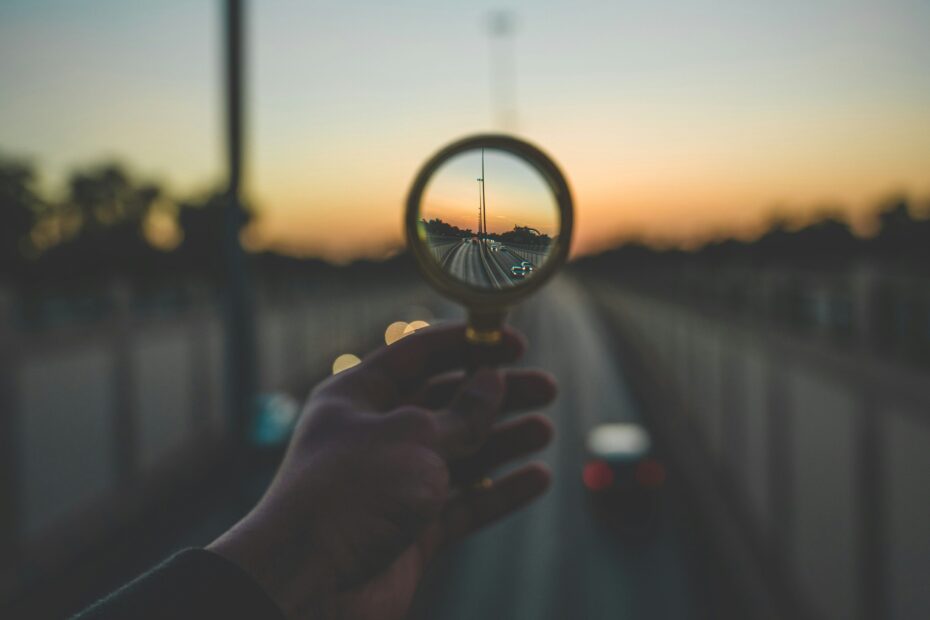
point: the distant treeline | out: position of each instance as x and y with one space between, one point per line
902 238
520 235
107 222
438 228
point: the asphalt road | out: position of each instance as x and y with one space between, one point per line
554 559
488 269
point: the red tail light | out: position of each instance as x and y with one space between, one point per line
597 475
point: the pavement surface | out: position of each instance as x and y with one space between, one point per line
487 269
555 559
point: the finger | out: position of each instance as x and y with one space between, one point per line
508 441
438 349
465 423
398 369
525 389
473 510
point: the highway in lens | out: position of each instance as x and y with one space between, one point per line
481 265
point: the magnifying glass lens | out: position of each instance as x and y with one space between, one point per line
489 219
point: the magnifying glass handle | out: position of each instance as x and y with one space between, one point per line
482 332
484 326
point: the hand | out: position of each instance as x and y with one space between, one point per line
380 473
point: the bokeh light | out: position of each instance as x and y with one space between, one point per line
414 326
395 331
622 440
161 229
344 362
597 475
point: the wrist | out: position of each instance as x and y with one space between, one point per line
287 567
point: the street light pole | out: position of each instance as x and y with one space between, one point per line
239 320
480 206
501 26
482 211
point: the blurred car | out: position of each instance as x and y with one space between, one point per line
518 272
623 477
527 266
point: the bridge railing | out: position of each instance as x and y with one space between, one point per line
100 418
534 255
441 247
823 452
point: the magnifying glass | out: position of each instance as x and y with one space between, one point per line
489 221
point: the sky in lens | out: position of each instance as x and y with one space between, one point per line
672 120
515 194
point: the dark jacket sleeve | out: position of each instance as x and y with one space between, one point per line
191 584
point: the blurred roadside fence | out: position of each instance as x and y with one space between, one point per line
809 408
103 416
96 413
878 310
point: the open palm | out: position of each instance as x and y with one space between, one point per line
381 475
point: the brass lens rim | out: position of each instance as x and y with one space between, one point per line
468 294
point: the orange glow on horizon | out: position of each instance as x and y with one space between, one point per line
672 124
674 178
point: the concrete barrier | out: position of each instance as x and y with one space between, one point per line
825 452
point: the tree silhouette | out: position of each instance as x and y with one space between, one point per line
109 210
902 237
19 205
203 223
438 228
902 241
525 236
98 230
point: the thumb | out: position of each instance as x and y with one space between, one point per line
464 424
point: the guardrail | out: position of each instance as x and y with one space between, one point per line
99 418
823 453
534 256
441 249
95 413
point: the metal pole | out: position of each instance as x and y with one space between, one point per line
480 206
240 328
501 26
484 199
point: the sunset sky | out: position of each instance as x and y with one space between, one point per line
515 194
672 120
